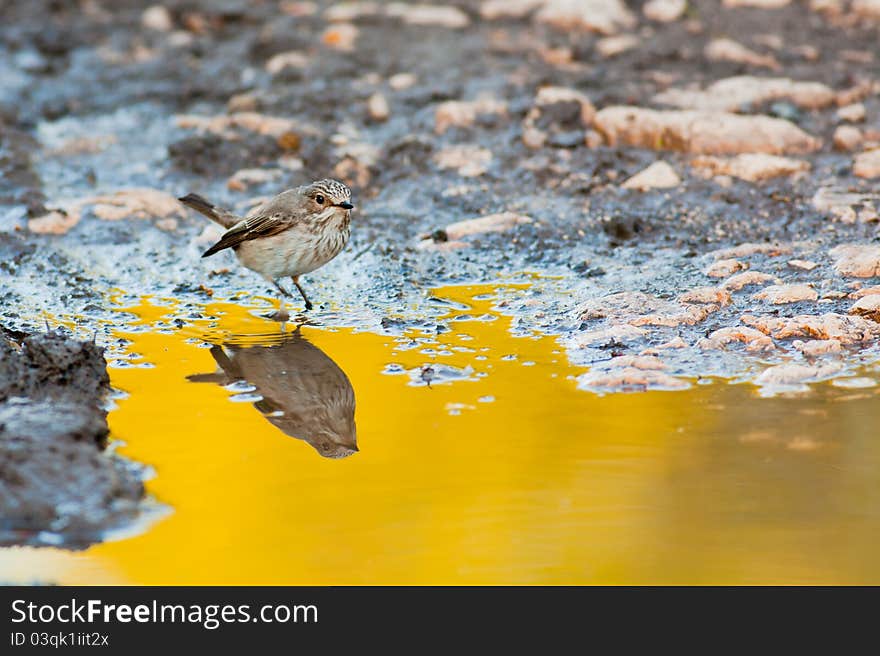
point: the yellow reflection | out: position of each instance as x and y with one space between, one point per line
498 471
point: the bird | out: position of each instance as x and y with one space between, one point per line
294 233
303 391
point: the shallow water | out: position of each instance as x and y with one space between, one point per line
498 471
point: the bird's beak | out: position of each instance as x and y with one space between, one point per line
345 206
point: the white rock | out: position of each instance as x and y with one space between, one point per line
659 175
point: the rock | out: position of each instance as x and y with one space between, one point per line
732 51
285 60
867 306
340 36
724 268
377 108
847 137
711 133
468 160
56 222
803 265
457 113
245 178
628 373
864 291
602 16
706 295
664 11
139 203
347 12
783 294
690 316
157 18
867 164
733 93
794 374
553 95
225 125
866 8
843 328
498 9
609 334
89 145
401 81
740 280
844 205
857 260
749 249
854 113
754 340
492 223
815 348
434 15
658 175
611 46
242 102
753 167
623 305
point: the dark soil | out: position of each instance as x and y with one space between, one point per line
58 486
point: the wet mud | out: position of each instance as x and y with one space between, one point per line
59 485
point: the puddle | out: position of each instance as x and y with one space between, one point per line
467 456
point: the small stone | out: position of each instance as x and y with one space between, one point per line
847 137
733 93
435 15
157 18
867 306
602 16
752 167
754 340
341 36
732 51
857 260
706 295
664 11
741 280
783 294
377 108
854 113
659 175
724 268
245 178
709 133
803 265
401 81
612 46
867 164
56 222
285 60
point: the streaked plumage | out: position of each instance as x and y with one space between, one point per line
294 233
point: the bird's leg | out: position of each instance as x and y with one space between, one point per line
281 315
295 280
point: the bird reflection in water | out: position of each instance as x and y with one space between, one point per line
304 392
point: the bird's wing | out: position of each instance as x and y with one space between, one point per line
261 225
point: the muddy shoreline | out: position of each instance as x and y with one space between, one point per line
671 229
59 485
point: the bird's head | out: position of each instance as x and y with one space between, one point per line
328 196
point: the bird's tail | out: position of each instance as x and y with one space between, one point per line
217 214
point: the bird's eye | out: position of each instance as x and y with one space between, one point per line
319 199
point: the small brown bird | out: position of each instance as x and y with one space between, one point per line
293 234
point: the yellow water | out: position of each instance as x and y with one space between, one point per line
538 483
